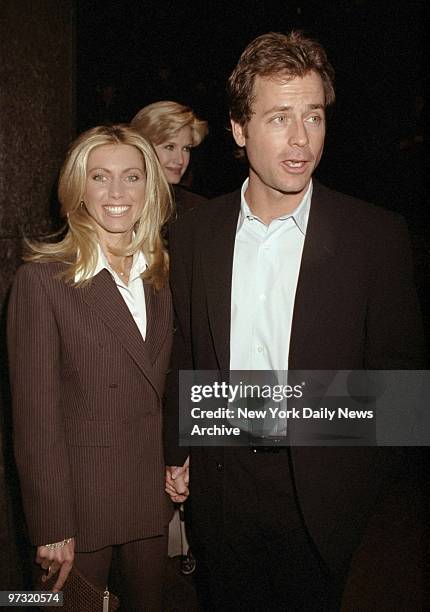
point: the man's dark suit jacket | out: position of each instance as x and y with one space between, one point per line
355 308
186 200
87 395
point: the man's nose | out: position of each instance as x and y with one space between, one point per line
298 135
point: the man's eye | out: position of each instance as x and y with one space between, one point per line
314 119
279 120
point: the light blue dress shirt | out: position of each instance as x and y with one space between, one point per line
266 266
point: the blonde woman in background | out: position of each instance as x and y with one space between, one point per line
174 130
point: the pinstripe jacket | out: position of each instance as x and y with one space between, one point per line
87 392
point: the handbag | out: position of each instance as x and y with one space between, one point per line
79 595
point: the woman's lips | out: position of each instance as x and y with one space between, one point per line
116 211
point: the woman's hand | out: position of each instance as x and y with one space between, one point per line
177 480
56 559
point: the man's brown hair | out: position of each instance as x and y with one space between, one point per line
276 55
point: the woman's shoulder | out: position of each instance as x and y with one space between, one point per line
42 271
37 284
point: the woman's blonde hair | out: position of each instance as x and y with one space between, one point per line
162 120
79 247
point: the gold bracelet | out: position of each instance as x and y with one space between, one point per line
58 544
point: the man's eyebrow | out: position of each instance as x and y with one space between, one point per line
285 107
277 109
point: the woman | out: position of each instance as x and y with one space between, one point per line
89 336
174 130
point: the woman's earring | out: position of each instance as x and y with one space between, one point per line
81 204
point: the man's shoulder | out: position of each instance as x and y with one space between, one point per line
207 213
226 199
186 200
351 210
220 205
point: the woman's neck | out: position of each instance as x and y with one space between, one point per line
121 264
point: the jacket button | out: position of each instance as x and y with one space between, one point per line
219 467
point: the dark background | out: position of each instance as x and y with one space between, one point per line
66 65
131 54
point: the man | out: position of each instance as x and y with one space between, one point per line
285 274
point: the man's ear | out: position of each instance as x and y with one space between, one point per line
239 133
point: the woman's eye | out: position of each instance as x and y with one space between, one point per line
187 148
169 147
132 178
99 177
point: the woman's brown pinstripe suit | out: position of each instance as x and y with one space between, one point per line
87 408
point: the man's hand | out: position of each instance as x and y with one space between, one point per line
56 559
177 480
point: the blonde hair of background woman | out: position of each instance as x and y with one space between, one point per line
162 120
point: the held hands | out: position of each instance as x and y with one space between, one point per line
177 480
57 557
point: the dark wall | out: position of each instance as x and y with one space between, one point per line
37 121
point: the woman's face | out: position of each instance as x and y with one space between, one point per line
174 154
115 191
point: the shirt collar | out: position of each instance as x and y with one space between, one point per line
300 215
138 267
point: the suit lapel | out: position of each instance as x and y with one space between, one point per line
217 263
315 274
105 300
158 319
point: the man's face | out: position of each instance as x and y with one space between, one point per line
284 138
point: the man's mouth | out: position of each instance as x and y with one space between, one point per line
292 163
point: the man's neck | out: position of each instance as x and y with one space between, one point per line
269 204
